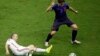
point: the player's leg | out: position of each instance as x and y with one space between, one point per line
55 28
74 34
47 50
29 53
33 48
25 51
74 30
50 35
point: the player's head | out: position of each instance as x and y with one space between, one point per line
61 1
14 36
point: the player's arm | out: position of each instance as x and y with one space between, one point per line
50 6
7 49
73 10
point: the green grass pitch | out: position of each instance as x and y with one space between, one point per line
29 19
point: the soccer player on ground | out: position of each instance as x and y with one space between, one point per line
61 18
17 49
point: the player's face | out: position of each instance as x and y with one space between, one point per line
61 1
15 37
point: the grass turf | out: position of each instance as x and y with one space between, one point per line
29 19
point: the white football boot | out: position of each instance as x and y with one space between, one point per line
76 42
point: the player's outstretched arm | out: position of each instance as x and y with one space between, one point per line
73 10
7 50
50 6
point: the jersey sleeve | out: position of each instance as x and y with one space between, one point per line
54 7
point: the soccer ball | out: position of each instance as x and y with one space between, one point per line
72 54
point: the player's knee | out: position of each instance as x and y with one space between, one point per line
74 27
53 32
31 46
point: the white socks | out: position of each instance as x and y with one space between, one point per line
40 50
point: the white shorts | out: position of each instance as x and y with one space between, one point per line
20 51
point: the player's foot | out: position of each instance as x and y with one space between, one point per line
46 44
76 42
49 49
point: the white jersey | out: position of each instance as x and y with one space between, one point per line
16 48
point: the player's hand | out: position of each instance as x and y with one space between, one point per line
76 12
52 2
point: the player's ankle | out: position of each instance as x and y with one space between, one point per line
46 44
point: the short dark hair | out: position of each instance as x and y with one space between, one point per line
61 1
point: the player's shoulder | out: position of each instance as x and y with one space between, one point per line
56 4
10 40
